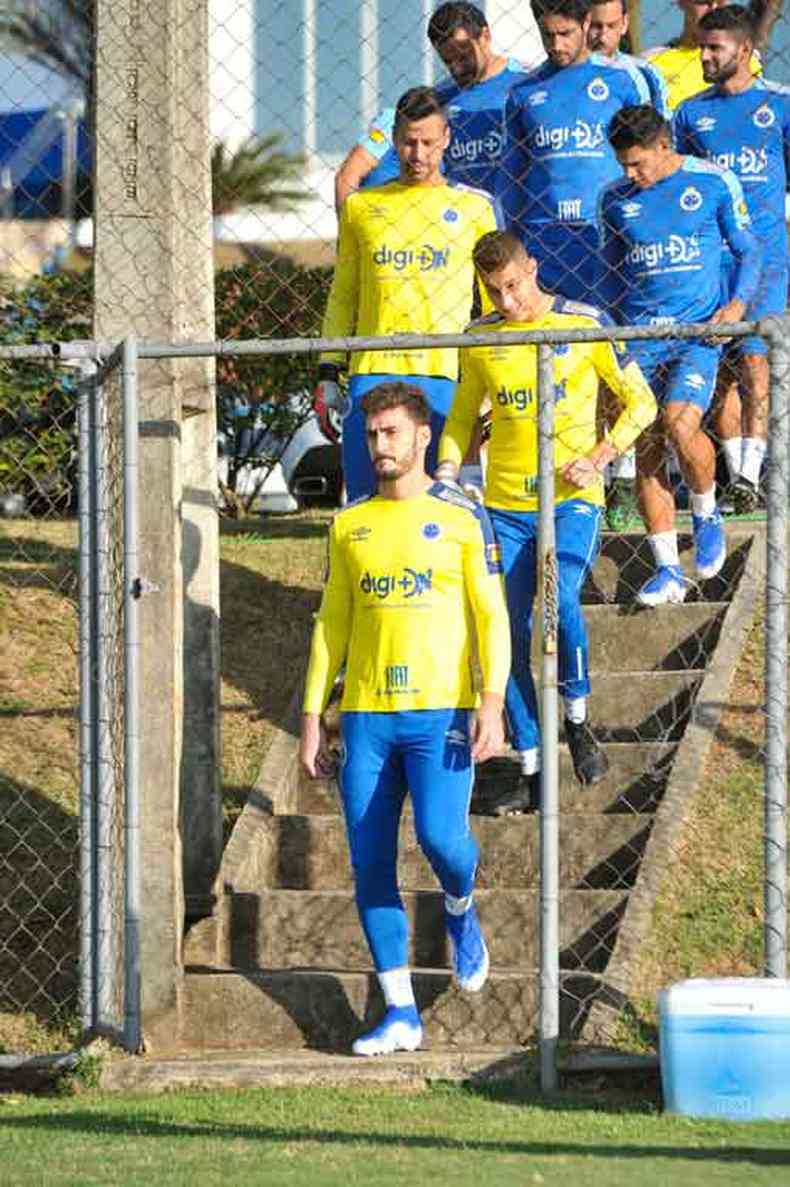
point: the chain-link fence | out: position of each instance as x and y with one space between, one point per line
300 106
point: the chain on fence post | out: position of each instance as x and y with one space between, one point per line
132 594
549 1024
775 859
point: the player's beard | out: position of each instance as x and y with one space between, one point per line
722 74
394 468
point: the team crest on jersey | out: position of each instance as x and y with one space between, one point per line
431 531
706 123
451 216
537 98
764 116
631 209
561 348
377 136
690 199
598 90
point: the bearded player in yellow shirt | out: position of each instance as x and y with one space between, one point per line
404 265
506 375
413 604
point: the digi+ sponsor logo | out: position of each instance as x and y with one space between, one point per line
515 397
747 163
410 583
582 136
488 147
672 252
427 258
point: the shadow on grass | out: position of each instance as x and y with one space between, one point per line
106 1125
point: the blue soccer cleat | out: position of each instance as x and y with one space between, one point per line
710 545
470 955
400 1030
667 585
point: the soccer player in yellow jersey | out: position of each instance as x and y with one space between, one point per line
507 376
404 265
680 62
413 604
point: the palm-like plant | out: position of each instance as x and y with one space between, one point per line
58 35
256 173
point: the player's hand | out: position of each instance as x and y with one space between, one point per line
328 401
488 728
732 311
317 759
580 472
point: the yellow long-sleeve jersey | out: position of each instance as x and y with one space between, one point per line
404 265
413 595
507 375
681 67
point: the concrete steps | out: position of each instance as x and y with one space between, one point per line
282 961
282 1008
320 929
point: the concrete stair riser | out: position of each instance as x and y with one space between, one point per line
321 930
310 852
295 1008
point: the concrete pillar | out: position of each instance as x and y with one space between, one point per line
154 276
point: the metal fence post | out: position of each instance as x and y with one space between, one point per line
132 592
104 964
775 796
87 552
549 1022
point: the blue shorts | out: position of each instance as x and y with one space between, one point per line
679 372
569 261
428 752
360 477
769 300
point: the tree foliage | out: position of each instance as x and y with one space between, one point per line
256 173
57 35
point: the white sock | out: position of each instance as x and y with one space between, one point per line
576 709
529 761
625 465
457 906
703 504
733 451
396 987
753 454
665 548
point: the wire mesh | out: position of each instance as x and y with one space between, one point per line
299 97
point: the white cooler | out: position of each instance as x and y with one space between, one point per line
725 1047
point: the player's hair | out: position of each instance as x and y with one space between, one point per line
731 18
637 127
397 394
574 10
497 249
416 104
449 18
623 5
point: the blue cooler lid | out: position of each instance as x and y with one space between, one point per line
767 997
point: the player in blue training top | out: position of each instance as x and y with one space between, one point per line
664 228
557 158
609 24
474 97
743 123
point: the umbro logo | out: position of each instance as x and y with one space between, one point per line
537 98
695 380
631 209
705 123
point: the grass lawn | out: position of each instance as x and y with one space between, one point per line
459 1136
